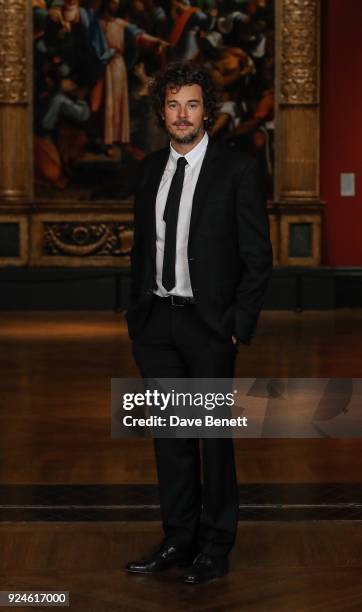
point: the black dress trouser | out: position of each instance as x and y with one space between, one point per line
176 343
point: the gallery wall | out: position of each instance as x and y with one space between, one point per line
341 129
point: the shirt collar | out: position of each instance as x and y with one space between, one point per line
193 156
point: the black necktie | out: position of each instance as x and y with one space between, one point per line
170 216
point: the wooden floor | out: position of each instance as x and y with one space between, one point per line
55 428
55 398
275 567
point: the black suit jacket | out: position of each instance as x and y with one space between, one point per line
229 250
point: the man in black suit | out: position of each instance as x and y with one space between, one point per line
200 263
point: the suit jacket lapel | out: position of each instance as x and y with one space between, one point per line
152 185
206 172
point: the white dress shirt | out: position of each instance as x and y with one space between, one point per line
192 169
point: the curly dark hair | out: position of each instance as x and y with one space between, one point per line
178 74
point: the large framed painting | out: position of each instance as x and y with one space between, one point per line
76 117
93 118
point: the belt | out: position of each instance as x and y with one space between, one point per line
175 300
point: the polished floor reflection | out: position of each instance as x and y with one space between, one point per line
55 398
275 567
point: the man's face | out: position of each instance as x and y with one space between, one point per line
184 113
113 6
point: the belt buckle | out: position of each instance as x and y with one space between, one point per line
174 303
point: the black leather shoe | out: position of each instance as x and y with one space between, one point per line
205 568
165 557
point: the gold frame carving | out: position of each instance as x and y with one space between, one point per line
44 227
298 34
14 79
296 144
297 138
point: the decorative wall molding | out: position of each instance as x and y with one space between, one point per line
82 238
79 239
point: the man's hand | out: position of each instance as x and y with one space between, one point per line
234 339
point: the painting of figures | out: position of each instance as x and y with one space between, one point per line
93 61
